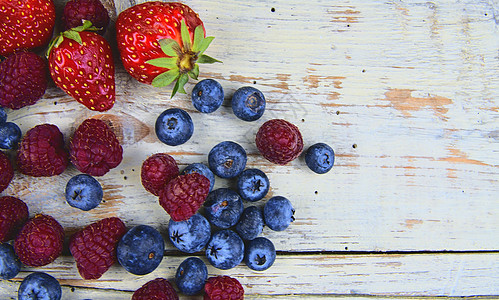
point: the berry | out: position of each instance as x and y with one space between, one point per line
39 285
6 171
207 95
3 116
260 254
223 207
201 169
157 170
9 263
23 80
94 148
141 250
227 159
191 276
190 235
319 158
253 185
76 11
279 141
223 287
94 247
174 127
251 223
278 213
13 215
40 241
10 135
225 249
248 103
184 195
157 289
42 152
83 192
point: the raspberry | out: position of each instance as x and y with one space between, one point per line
157 289
94 247
42 152
6 171
40 241
13 214
75 11
94 148
157 171
222 288
23 80
279 141
184 195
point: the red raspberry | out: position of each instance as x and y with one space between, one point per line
279 141
42 152
23 80
13 215
6 171
94 148
184 195
75 11
157 171
94 247
223 288
40 241
157 289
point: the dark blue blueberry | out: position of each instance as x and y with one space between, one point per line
201 169
141 250
259 254
319 158
278 213
3 115
84 192
174 127
191 276
251 223
248 103
39 286
227 159
207 95
223 207
253 185
9 263
191 235
225 250
10 135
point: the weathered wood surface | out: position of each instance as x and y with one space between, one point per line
406 94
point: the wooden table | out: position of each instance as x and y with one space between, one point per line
404 91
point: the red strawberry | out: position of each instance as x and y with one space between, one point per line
94 247
77 11
40 241
160 42
279 141
6 172
25 24
94 148
13 214
157 289
157 170
81 64
42 152
223 288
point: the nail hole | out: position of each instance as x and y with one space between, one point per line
337 112
354 146
272 9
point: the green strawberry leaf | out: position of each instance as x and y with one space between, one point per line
194 73
164 62
170 47
179 85
204 44
205 59
165 78
186 38
198 38
74 35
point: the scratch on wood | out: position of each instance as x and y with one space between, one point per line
409 223
403 101
457 156
313 81
128 129
344 16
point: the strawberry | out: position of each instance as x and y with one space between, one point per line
81 63
160 42
26 24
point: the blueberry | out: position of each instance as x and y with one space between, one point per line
3 115
174 127
84 192
207 95
10 135
225 250
253 185
201 169
260 254
319 158
191 276
9 263
141 250
248 103
278 213
191 235
223 207
251 223
227 159
39 286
